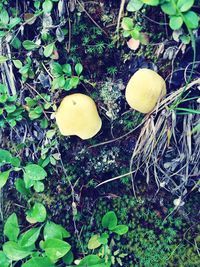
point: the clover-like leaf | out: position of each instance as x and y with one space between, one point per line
37 213
109 220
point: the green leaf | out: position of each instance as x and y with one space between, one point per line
3 178
151 2
12 123
4 262
38 110
55 248
119 261
12 98
67 69
33 115
61 81
67 85
29 61
29 238
10 109
48 50
16 43
185 5
14 22
17 63
120 229
93 261
3 59
3 95
189 110
191 19
127 24
52 160
94 242
3 88
126 33
47 6
11 227
109 220
52 230
14 251
3 98
50 134
15 161
30 101
29 45
24 70
4 17
44 123
169 8
60 34
34 172
68 258
2 34
20 186
55 83
37 4
73 82
185 39
175 22
78 68
37 213
38 186
56 69
135 33
103 239
38 262
134 5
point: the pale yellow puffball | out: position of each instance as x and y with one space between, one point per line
144 89
78 115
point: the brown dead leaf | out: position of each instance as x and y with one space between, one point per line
55 54
29 18
144 38
160 49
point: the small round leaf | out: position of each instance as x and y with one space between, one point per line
37 213
175 22
109 220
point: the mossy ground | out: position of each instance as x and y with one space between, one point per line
154 239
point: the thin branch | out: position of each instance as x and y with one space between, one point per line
121 10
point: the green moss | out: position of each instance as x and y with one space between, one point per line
150 241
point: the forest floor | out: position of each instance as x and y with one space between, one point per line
128 196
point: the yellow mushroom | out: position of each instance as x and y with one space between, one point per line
144 89
78 115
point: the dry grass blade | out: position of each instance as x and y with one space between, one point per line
180 154
162 151
120 14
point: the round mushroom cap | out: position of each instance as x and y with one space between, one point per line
144 89
78 115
